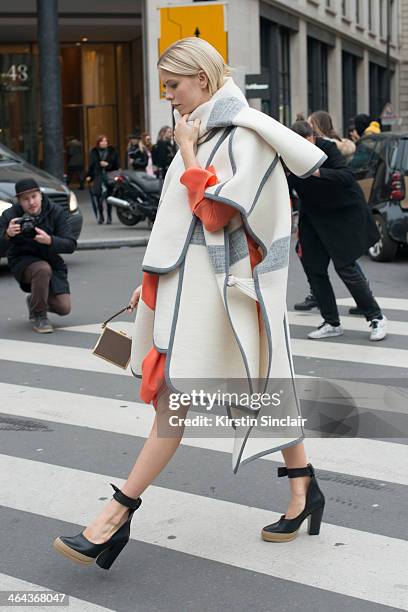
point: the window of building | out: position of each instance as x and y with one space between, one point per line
381 18
358 11
378 89
370 16
317 75
349 70
275 62
344 8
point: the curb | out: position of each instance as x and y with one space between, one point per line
95 244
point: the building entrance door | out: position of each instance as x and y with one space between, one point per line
97 94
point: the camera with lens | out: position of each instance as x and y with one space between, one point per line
28 225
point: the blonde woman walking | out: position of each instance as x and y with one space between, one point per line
212 304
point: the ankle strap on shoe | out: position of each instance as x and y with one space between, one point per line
296 472
123 499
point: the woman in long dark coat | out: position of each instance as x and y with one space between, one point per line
335 224
103 158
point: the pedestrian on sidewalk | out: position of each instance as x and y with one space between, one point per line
103 159
147 142
164 150
335 224
214 289
36 231
75 161
136 152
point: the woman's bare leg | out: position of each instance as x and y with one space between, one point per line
154 456
295 457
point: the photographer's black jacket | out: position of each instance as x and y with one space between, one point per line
24 251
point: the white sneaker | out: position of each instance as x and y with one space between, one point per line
325 330
378 329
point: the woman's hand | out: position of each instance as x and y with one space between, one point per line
134 299
186 135
104 164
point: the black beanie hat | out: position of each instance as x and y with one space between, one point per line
361 122
25 185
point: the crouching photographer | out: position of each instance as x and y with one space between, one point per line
36 230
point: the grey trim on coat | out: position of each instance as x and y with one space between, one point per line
319 163
173 332
238 245
266 323
224 111
288 351
194 218
182 255
226 272
263 181
265 452
224 135
277 256
232 162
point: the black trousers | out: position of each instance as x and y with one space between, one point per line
315 261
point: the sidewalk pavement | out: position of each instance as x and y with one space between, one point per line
94 236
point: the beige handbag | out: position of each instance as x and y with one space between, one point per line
114 346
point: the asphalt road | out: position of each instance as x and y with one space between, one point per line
70 424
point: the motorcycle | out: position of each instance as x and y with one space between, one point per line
135 195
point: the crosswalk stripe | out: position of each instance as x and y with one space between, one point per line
82 359
354 353
295 318
364 458
348 323
384 302
233 528
9 583
56 356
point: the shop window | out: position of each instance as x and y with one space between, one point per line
275 62
349 70
317 75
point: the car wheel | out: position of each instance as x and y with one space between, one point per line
386 248
127 217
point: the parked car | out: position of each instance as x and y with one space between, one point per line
380 164
13 168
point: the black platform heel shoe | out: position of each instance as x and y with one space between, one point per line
285 529
79 549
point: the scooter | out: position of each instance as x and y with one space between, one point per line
135 195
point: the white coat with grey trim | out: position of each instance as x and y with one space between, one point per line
206 317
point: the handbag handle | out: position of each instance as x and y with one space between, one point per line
114 316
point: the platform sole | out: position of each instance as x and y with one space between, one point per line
72 554
278 537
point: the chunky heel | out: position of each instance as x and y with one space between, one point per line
314 521
285 529
109 555
81 550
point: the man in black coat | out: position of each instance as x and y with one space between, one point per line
335 224
34 231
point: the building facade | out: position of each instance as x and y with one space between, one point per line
316 54
404 66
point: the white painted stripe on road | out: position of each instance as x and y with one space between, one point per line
56 356
230 537
352 353
384 302
351 456
9 583
308 319
82 359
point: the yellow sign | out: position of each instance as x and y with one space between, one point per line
206 22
